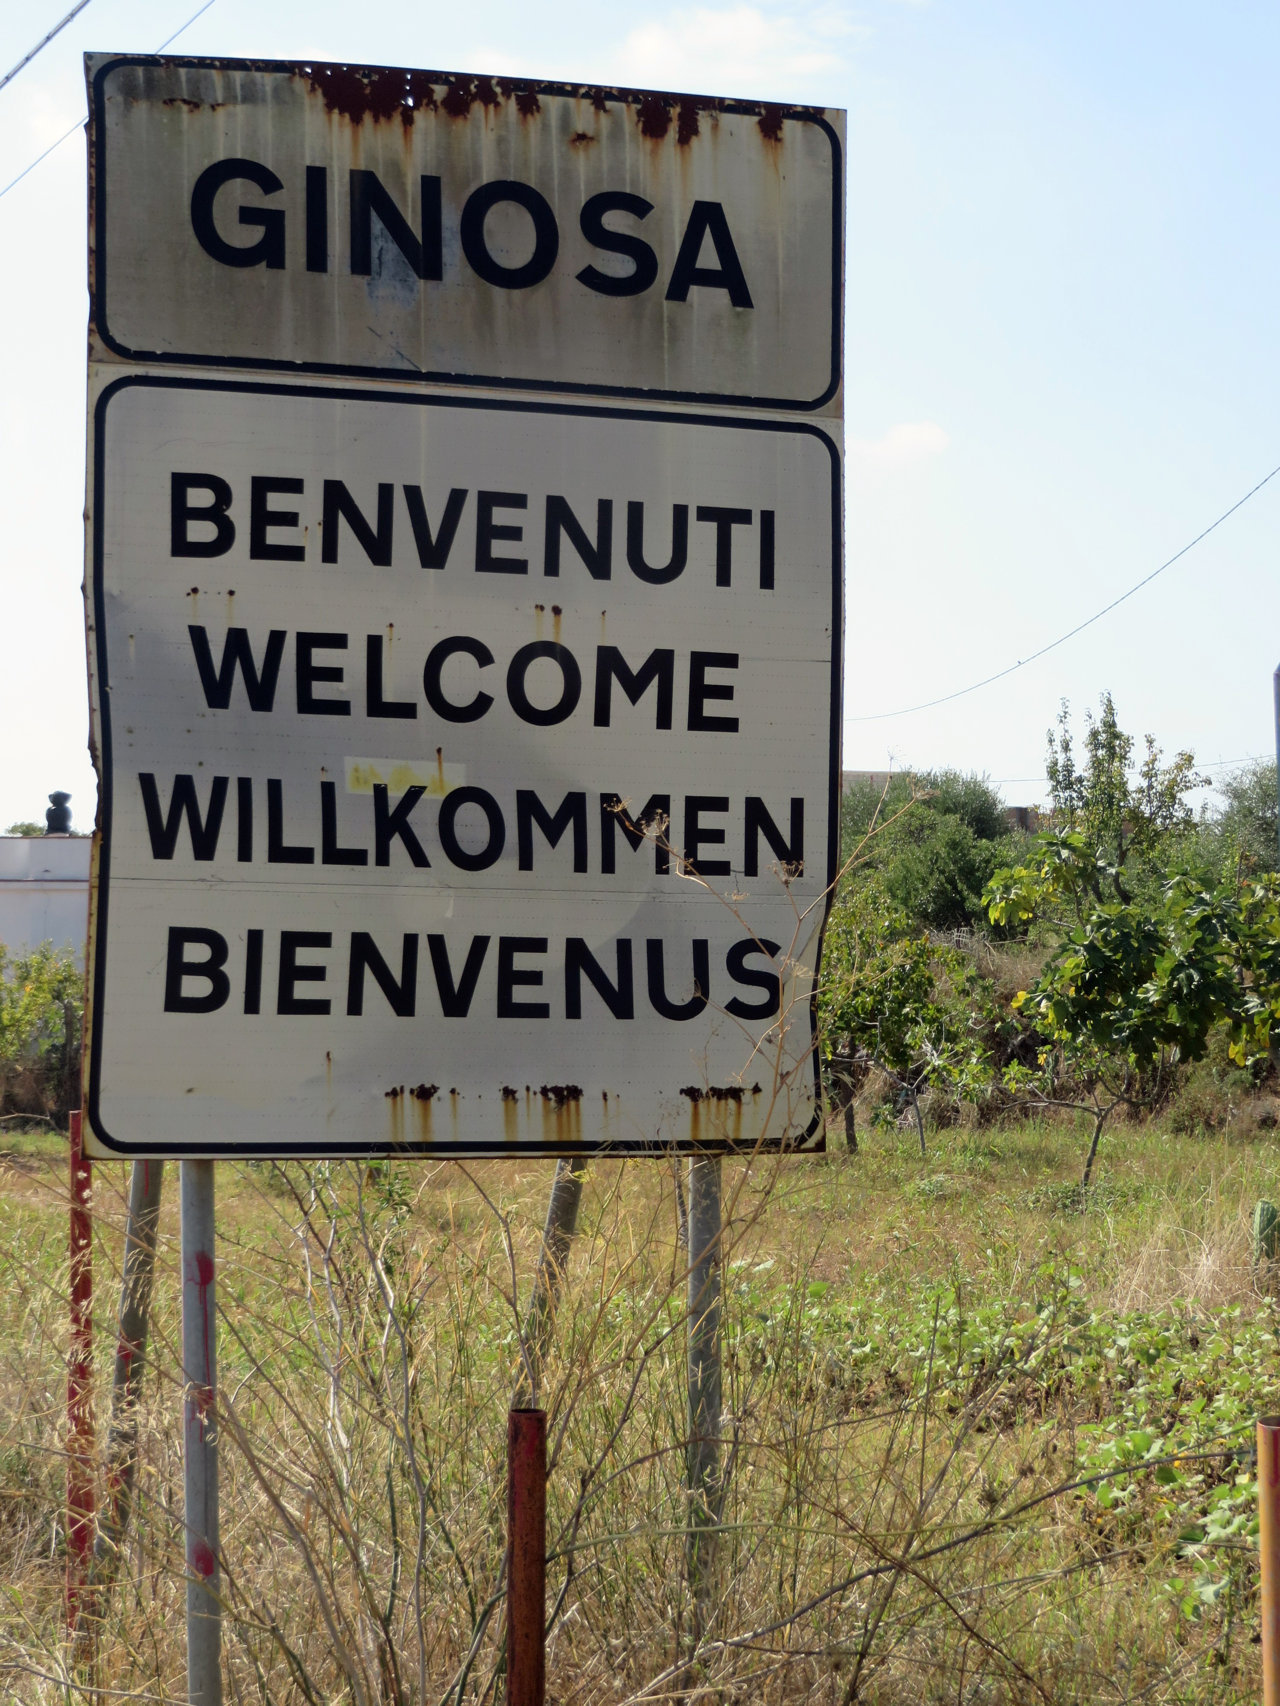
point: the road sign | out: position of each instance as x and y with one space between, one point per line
466 231
469 759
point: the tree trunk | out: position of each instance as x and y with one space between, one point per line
1099 1122
915 1108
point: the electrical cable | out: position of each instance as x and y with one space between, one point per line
44 42
80 122
961 692
1216 764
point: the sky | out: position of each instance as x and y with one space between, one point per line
1063 253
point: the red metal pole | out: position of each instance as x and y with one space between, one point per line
526 1557
80 1380
1269 1550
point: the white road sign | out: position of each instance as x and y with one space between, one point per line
468 743
386 688
462 230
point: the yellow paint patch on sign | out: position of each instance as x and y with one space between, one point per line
397 774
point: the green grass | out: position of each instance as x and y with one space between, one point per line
31 1140
986 1441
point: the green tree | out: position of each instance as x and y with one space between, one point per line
1137 985
938 837
890 998
1156 946
1246 824
41 1014
1133 817
25 830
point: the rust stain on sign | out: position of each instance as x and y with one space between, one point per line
465 92
380 94
358 93
559 1094
654 114
526 99
770 123
714 1093
422 1114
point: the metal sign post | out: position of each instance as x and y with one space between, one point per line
80 1489
704 1482
200 1436
133 1330
526 1557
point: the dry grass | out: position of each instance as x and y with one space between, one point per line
896 1524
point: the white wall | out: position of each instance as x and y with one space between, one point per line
44 892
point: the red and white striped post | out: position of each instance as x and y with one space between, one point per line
1269 1553
80 1499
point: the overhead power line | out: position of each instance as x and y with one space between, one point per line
961 692
44 42
1217 764
79 122
182 27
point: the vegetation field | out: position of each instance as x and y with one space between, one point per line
984 1441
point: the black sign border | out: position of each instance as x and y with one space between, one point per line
102 724
99 303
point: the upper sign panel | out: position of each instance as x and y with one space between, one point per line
419 225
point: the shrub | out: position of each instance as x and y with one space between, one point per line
939 837
41 1018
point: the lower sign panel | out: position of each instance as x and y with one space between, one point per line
469 773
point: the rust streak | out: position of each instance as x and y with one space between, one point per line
653 115
559 1094
526 99
465 92
770 123
358 93
687 123
382 93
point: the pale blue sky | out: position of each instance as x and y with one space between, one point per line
1061 340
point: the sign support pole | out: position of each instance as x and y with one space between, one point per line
141 1227
526 1557
557 1239
80 1379
200 1436
704 1380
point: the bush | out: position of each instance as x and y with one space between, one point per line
935 858
41 1021
1214 1091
